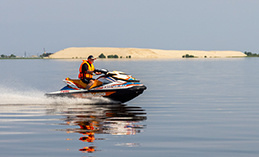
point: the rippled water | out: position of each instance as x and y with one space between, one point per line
51 130
192 107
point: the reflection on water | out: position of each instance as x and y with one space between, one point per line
36 129
91 120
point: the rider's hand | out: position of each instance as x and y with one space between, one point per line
98 73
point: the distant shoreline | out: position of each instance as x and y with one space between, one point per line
21 58
126 59
139 53
133 53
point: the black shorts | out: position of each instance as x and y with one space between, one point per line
85 80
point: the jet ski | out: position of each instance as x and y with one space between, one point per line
115 85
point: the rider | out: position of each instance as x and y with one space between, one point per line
87 70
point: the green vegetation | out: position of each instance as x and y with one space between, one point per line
12 56
102 56
188 56
8 57
22 58
45 55
113 56
250 54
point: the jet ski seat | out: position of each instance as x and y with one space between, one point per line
79 83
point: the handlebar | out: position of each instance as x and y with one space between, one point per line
104 71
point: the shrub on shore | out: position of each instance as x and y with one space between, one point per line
188 56
250 54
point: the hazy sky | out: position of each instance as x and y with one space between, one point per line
31 25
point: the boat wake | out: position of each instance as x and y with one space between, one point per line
34 96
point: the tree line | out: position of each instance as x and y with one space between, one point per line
6 56
250 54
3 56
111 56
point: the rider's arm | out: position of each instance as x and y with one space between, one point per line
85 68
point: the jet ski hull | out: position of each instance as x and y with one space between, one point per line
115 85
120 95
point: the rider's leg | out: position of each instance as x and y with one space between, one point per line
91 82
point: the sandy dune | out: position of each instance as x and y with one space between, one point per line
83 52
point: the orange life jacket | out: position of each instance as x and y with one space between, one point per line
85 74
88 149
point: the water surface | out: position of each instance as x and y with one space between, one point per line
192 107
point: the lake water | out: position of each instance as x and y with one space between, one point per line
191 108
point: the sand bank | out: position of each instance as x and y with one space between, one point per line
83 52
